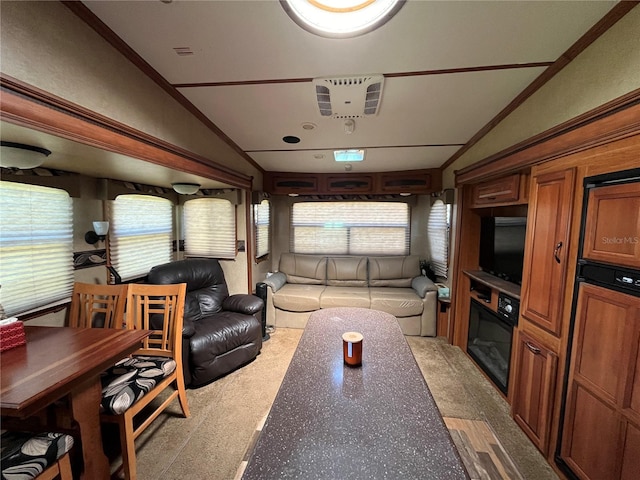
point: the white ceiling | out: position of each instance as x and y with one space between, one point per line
252 66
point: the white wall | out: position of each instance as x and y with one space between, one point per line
46 45
607 69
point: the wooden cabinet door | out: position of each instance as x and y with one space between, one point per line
534 389
495 192
612 227
601 433
545 257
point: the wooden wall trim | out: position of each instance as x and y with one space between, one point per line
115 41
615 14
607 123
31 107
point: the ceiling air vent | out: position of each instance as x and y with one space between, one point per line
349 97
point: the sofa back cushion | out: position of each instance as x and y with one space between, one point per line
206 285
305 269
347 271
393 271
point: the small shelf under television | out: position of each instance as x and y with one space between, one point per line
496 283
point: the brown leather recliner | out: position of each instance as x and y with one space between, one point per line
221 332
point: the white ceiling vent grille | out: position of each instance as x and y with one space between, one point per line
349 97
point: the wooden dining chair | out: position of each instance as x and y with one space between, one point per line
41 456
97 305
134 382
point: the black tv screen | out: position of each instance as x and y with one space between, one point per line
502 247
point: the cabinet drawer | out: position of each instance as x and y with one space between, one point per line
349 183
499 191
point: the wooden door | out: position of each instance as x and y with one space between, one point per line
601 434
534 389
612 225
546 246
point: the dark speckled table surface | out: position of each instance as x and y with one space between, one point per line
332 421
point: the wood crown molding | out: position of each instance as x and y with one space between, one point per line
607 123
28 106
606 22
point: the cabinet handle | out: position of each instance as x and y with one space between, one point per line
535 350
556 252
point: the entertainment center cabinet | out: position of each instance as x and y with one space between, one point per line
543 180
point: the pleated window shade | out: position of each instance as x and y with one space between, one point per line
210 228
350 228
140 234
438 237
36 246
262 218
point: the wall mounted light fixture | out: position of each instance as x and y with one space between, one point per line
19 155
186 188
99 232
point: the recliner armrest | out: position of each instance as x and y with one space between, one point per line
422 285
243 303
276 281
188 330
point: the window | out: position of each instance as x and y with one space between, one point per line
438 237
36 246
261 219
350 228
210 228
140 234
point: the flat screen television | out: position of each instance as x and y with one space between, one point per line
502 247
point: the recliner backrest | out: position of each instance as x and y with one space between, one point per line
206 285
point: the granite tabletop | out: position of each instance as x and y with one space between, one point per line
333 421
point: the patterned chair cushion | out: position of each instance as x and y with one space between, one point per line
130 379
27 455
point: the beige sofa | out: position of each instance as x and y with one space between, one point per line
306 283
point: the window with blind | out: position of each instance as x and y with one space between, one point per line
438 237
140 234
350 228
261 219
210 228
36 246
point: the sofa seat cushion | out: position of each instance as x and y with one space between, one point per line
130 379
345 297
400 302
298 297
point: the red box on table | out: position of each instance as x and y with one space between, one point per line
12 335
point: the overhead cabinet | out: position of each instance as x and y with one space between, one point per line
381 183
507 190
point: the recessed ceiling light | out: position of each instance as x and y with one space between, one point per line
308 126
352 155
291 139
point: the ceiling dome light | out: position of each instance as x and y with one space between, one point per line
186 188
19 155
341 18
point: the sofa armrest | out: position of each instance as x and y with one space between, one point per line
275 281
422 285
243 303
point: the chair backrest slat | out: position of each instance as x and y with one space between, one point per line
158 308
97 305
